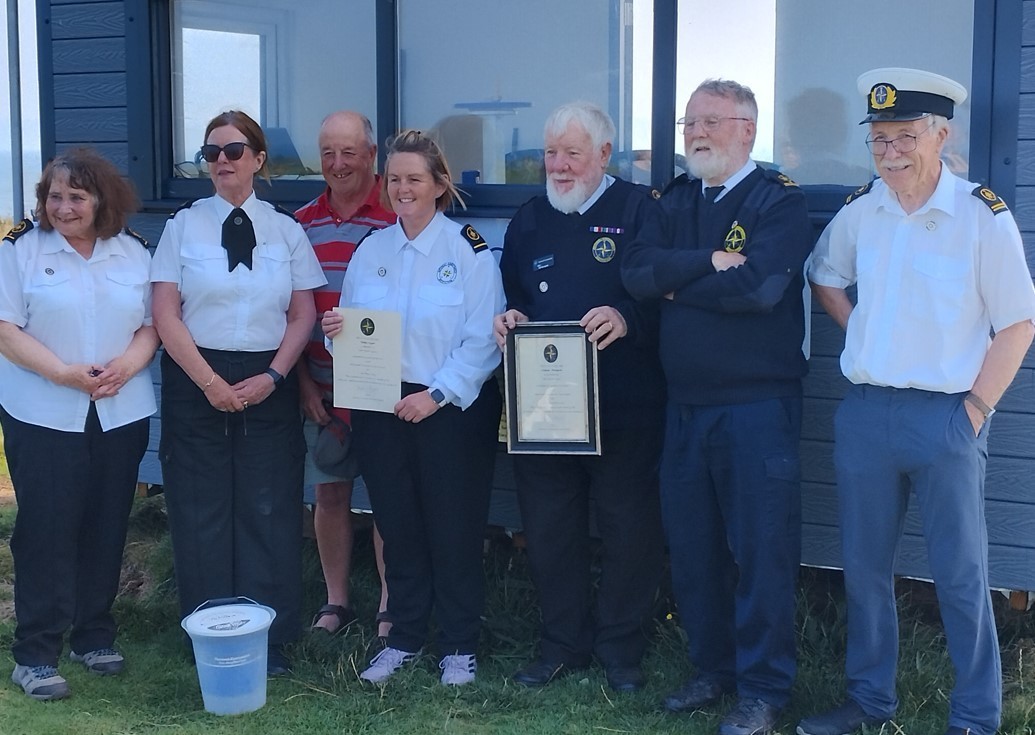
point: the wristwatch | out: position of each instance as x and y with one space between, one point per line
438 397
980 405
277 377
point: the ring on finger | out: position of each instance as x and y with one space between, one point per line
245 403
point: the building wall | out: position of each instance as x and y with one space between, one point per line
84 51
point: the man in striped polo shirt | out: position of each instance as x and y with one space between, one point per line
336 222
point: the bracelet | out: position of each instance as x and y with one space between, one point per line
974 400
209 383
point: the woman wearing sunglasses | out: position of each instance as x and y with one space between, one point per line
233 305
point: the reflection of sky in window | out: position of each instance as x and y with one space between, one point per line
30 120
221 71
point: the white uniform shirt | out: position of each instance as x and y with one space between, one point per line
447 296
84 311
245 310
931 285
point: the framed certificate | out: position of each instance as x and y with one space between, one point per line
552 390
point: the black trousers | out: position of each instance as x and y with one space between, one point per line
233 489
555 493
74 493
429 486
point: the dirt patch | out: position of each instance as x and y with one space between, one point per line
6 491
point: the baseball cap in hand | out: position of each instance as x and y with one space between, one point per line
333 451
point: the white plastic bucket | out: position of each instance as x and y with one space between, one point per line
230 639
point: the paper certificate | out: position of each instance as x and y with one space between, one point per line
551 377
368 360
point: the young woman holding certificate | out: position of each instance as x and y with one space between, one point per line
428 465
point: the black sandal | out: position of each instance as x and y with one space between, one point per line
346 616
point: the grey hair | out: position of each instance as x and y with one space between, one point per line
368 128
729 89
588 116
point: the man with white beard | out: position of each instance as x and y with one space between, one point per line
561 261
725 256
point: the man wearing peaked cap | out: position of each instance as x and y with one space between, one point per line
939 265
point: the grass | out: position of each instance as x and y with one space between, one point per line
159 692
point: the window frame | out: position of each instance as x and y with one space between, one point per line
993 131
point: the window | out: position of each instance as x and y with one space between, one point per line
484 76
802 59
286 63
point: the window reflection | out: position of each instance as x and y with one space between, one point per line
287 64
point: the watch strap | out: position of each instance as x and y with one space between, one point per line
277 377
975 401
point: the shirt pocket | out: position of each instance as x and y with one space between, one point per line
271 261
439 311
367 296
938 287
127 292
50 293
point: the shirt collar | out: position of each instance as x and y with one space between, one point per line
223 208
604 183
735 179
423 242
373 201
102 249
943 198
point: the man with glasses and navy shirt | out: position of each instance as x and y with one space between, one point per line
939 265
725 255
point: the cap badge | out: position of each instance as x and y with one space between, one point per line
735 239
882 96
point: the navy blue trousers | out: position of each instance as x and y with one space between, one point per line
429 486
233 489
888 441
74 493
556 493
731 503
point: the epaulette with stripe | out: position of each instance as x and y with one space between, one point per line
186 205
18 230
477 241
284 212
862 190
137 236
990 198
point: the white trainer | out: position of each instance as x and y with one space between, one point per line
386 663
458 669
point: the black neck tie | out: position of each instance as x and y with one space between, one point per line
710 192
238 239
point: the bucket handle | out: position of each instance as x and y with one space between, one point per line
220 601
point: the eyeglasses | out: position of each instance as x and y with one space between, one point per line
710 124
233 151
902 144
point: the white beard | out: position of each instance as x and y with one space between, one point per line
709 165
570 202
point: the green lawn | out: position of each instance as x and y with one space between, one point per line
159 691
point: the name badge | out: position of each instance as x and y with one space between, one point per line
544 262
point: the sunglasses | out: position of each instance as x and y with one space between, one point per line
233 151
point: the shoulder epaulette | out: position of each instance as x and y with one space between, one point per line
990 198
18 230
477 241
678 181
786 180
859 192
285 212
186 205
137 236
